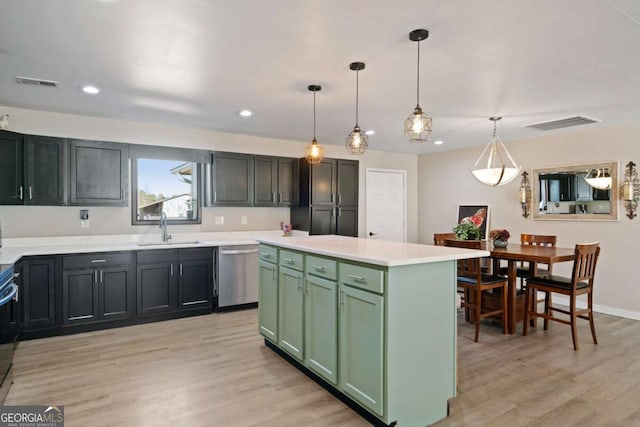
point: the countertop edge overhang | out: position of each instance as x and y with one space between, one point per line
372 251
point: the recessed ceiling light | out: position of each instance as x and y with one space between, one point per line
370 132
245 113
438 142
92 90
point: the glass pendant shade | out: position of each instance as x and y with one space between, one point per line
417 127
314 152
599 178
357 142
495 166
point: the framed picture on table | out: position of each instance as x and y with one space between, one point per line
478 214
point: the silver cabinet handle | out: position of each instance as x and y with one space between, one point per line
318 268
215 196
288 260
357 278
96 261
339 211
339 198
275 198
101 277
341 300
171 269
95 276
30 193
265 254
20 195
305 288
273 273
299 283
181 269
279 198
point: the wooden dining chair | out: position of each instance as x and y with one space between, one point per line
580 283
439 238
475 282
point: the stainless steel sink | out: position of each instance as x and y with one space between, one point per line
177 242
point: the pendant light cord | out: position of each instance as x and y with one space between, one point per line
418 78
357 72
314 116
494 128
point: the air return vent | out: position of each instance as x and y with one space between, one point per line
36 82
562 123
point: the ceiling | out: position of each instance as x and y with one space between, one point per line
197 63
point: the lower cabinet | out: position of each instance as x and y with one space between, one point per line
290 311
268 295
321 327
195 278
362 346
97 287
38 292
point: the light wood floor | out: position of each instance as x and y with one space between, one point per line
215 371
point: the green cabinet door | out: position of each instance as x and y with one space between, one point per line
362 347
290 311
268 300
321 327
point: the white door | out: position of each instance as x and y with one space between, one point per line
386 204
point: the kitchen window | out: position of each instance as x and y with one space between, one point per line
164 186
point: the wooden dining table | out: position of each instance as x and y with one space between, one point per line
515 253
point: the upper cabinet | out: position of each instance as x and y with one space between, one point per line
32 169
275 181
99 173
231 179
11 188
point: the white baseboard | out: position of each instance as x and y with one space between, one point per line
562 300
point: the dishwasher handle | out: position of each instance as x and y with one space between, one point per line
238 251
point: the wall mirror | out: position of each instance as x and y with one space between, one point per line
576 192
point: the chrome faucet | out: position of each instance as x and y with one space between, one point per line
163 226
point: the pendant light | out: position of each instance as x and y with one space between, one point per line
417 127
314 152
492 168
599 178
357 142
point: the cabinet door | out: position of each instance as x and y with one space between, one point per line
323 220
232 179
195 287
39 294
266 181
46 170
287 182
268 300
116 292
347 182
321 327
362 347
11 188
323 182
99 173
156 288
347 221
79 296
290 308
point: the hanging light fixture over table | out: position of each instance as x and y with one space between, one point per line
417 127
599 178
357 141
314 152
495 166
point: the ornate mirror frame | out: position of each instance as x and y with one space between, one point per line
572 205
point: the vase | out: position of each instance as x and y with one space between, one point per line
500 243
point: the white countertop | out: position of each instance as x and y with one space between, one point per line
15 248
371 251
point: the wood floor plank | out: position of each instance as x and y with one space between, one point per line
214 370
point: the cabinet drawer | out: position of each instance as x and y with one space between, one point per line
362 277
321 267
157 256
292 260
74 262
268 253
195 254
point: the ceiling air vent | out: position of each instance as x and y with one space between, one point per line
562 123
36 82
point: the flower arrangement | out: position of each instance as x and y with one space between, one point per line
499 234
467 230
286 229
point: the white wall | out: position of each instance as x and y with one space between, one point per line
26 221
445 182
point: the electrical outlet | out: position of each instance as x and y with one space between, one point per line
243 220
219 220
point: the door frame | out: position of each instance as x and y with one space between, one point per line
403 173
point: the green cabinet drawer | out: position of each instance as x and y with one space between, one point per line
291 259
268 253
321 267
362 277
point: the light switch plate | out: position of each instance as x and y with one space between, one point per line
219 220
243 220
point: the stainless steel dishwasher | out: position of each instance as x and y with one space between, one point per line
237 275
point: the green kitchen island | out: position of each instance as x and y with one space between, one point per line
373 321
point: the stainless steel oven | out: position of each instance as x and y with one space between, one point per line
10 325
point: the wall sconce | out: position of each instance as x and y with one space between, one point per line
525 195
630 189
